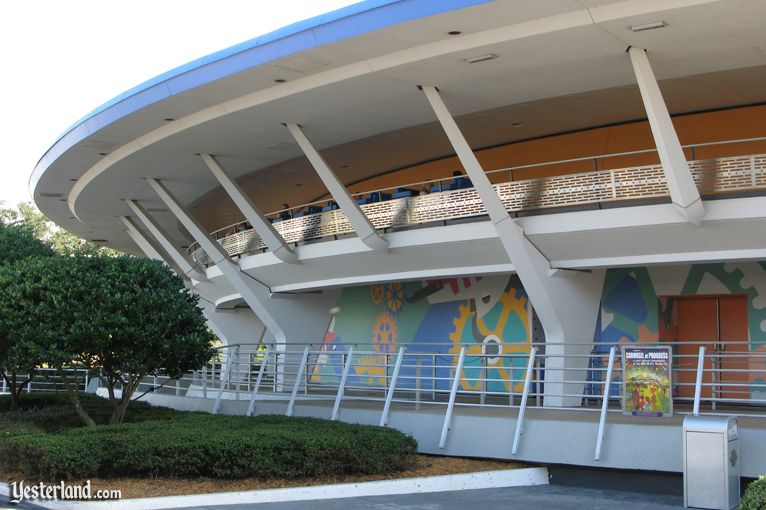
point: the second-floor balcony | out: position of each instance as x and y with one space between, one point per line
449 199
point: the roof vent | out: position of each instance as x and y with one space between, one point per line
648 26
481 58
51 195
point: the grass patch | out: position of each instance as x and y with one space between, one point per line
162 442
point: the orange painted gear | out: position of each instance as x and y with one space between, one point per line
377 292
385 334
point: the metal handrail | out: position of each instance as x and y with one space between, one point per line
430 378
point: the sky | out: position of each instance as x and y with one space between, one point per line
63 58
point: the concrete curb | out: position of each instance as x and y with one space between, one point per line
462 481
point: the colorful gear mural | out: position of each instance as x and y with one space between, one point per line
505 327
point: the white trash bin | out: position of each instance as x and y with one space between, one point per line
711 462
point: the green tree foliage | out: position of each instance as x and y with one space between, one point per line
17 360
62 241
754 497
123 316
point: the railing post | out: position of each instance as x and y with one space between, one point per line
698 383
523 406
753 177
433 379
483 380
392 388
254 394
342 385
297 383
452 395
204 380
604 404
232 354
418 372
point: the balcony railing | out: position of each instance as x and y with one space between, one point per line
452 376
714 176
48 379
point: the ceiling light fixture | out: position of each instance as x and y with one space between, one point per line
516 124
280 80
648 26
454 32
481 58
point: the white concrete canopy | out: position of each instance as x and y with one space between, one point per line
361 85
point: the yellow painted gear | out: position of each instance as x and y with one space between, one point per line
509 305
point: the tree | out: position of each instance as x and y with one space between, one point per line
18 359
62 241
123 316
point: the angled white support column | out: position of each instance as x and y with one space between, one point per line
351 209
566 302
252 291
683 190
164 241
262 226
146 245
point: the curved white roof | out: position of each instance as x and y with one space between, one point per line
350 79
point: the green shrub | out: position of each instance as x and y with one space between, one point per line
201 445
754 497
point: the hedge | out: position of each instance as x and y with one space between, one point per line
197 445
754 497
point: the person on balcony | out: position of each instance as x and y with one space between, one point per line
285 214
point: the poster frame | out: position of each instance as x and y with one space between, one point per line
669 364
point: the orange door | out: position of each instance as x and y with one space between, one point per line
720 324
733 348
697 326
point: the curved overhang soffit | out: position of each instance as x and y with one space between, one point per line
551 24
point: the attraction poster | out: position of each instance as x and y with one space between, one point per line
647 381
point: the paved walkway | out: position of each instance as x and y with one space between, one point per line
543 497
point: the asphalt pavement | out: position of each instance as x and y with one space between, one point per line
543 497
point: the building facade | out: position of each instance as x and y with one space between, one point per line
452 218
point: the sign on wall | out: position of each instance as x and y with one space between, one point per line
647 385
